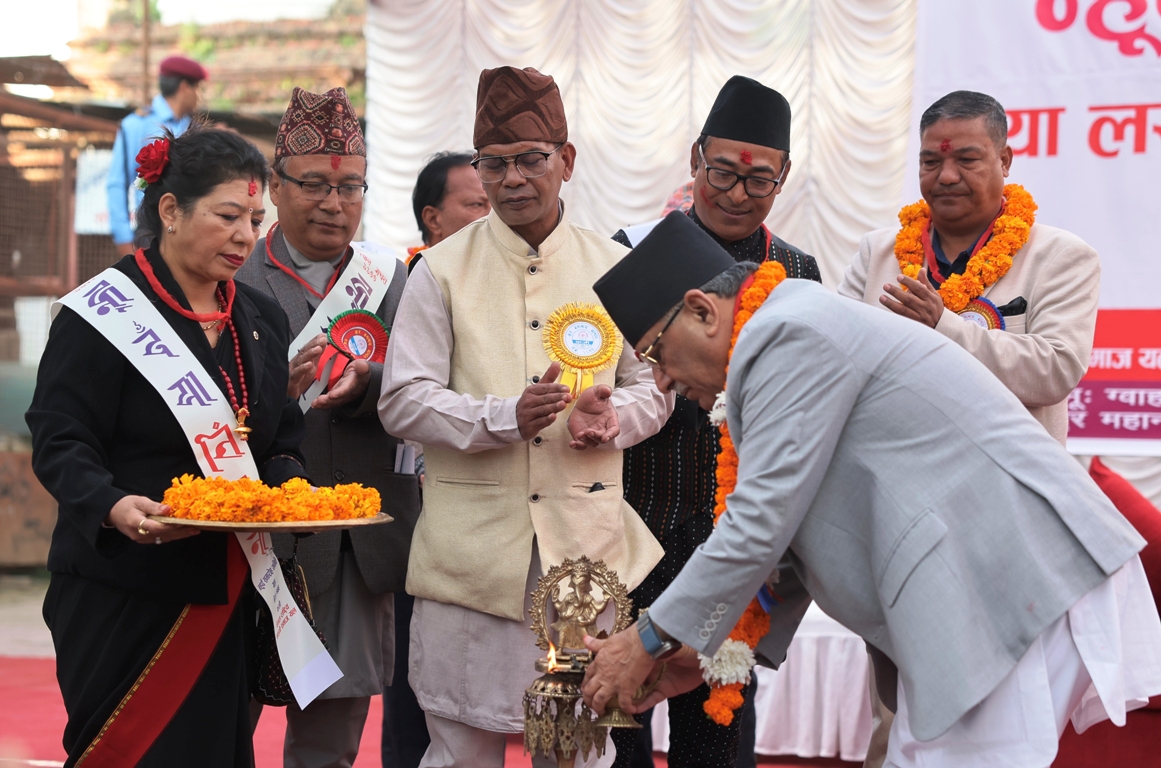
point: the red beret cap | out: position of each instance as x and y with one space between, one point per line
180 66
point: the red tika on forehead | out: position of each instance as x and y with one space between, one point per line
945 146
253 189
334 162
747 158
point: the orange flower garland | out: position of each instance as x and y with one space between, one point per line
252 501
989 264
725 700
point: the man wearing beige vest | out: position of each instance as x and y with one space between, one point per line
969 262
510 489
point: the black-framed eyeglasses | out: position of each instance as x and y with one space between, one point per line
320 190
755 186
531 165
647 355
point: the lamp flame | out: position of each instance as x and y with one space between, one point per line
552 665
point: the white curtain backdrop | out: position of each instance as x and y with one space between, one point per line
638 77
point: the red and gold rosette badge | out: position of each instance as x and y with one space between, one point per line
583 339
353 335
984 314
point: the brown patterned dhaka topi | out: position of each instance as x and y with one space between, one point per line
518 105
319 124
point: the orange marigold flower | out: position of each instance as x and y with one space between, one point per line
991 262
252 501
755 623
723 701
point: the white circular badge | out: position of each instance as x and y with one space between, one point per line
582 339
358 345
977 318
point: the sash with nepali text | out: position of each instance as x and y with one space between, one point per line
117 308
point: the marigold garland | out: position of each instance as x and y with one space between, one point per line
252 501
991 262
724 700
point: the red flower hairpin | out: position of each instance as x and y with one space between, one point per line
151 162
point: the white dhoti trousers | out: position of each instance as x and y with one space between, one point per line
469 671
1098 661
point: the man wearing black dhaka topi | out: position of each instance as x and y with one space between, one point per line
739 165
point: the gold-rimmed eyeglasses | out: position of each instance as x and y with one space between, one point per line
646 356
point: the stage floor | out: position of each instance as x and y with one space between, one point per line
32 716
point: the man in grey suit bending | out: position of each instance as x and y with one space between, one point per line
887 474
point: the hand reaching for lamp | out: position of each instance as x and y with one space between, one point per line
621 670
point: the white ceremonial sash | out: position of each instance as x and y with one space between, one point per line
363 285
637 232
116 307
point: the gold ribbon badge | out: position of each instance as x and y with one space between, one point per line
583 339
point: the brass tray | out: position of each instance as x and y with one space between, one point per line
290 526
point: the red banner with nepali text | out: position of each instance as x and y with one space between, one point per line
1116 408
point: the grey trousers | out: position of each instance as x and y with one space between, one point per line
359 625
326 735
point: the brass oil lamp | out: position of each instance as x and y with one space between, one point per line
556 719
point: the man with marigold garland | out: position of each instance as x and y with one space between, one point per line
739 164
970 262
952 534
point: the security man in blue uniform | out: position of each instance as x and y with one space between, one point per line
178 80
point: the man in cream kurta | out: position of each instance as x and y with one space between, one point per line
505 492
1049 296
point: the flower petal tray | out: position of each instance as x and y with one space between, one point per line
289 526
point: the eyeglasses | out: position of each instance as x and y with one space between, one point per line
320 190
647 355
531 165
755 186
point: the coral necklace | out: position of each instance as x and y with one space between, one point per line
222 320
220 317
729 669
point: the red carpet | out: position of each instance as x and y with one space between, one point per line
32 716
32 719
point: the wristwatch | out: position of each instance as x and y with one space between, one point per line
651 639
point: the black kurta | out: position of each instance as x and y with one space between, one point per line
101 432
669 477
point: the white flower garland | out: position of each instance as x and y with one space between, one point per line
731 664
717 414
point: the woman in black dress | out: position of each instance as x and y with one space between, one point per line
128 594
